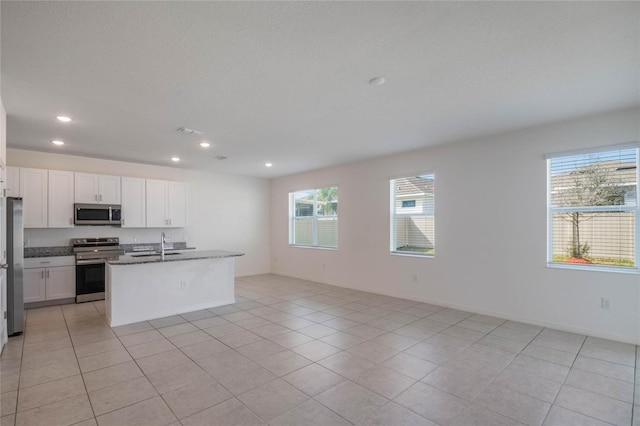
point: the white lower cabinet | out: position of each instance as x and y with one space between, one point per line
34 287
49 278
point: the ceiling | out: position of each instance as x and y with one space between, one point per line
287 82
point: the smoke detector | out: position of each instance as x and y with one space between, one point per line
187 131
220 157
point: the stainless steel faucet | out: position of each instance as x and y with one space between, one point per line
162 237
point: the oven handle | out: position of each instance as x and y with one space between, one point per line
89 262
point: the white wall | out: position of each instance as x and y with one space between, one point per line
224 211
490 231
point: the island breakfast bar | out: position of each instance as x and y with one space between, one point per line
145 287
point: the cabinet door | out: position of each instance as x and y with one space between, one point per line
61 282
157 204
133 203
86 188
13 181
177 204
109 192
34 189
34 285
60 199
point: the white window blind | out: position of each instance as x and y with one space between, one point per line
593 209
314 217
413 215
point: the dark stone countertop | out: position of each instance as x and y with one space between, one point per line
133 259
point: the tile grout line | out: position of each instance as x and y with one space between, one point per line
317 307
24 337
507 366
78 362
564 382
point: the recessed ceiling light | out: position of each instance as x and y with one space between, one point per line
268 164
205 144
377 81
57 142
64 118
176 159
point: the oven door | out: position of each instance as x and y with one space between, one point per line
90 279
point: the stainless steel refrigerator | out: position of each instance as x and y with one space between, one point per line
15 258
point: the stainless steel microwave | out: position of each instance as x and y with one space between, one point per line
98 214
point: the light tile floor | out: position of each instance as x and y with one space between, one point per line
293 352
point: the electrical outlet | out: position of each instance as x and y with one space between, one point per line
605 303
183 285
414 277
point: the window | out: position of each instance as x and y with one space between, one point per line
412 215
593 209
314 217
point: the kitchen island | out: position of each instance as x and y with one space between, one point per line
143 287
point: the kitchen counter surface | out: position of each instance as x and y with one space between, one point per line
133 259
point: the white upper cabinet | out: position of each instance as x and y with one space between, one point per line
34 190
13 182
109 189
97 189
157 204
166 204
61 196
133 203
177 204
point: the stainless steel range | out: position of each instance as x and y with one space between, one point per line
92 255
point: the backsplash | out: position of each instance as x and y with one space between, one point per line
56 237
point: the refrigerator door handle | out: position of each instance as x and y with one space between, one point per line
4 266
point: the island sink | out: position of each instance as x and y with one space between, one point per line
153 254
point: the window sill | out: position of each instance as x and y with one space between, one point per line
314 247
618 270
422 256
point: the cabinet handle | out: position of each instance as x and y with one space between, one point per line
169 221
122 221
47 273
70 221
95 197
42 274
100 197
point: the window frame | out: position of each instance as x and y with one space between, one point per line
313 218
393 215
551 210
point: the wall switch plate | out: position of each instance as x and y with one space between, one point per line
605 303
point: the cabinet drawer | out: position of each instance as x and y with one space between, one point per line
46 262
